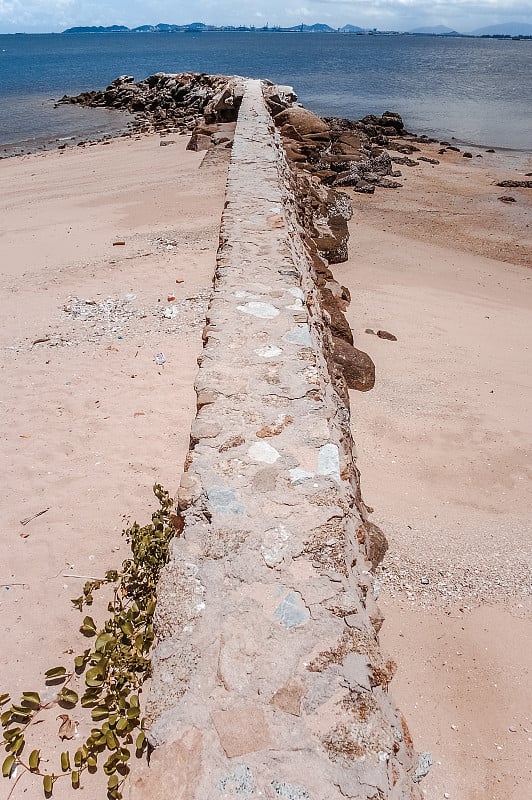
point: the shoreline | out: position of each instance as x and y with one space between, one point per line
133 123
46 144
119 124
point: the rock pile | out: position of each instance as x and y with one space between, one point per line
169 102
317 152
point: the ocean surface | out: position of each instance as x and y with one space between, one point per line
477 90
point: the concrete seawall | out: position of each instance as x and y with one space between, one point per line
268 678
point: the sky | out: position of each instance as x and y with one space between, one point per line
34 16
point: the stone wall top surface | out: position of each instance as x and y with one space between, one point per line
268 678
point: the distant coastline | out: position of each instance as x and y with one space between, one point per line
514 31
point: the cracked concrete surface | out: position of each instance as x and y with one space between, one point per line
268 679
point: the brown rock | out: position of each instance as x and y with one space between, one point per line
507 198
199 142
242 730
173 772
293 153
376 544
516 184
339 325
302 120
357 367
325 175
289 697
290 132
323 136
387 335
351 139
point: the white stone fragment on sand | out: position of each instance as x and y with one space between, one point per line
260 310
262 451
269 351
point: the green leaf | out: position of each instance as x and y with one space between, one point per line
103 640
4 698
55 672
12 733
141 740
6 717
31 699
127 627
122 725
34 759
65 761
68 696
75 779
7 766
94 677
47 783
100 712
21 710
88 628
112 741
112 783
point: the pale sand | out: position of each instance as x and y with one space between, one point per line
90 422
431 435
444 450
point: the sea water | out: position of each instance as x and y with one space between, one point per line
476 90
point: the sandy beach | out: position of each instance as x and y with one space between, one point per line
443 446
90 420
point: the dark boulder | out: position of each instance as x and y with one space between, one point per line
357 367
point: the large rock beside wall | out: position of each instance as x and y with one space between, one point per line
268 679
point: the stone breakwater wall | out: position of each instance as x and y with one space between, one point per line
268 679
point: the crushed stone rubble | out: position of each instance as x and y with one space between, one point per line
430 583
111 318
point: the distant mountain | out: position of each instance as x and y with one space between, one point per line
318 27
436 30
163 27
505 29
98 29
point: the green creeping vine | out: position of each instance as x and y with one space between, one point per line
114 668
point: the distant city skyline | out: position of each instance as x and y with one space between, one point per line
43 16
